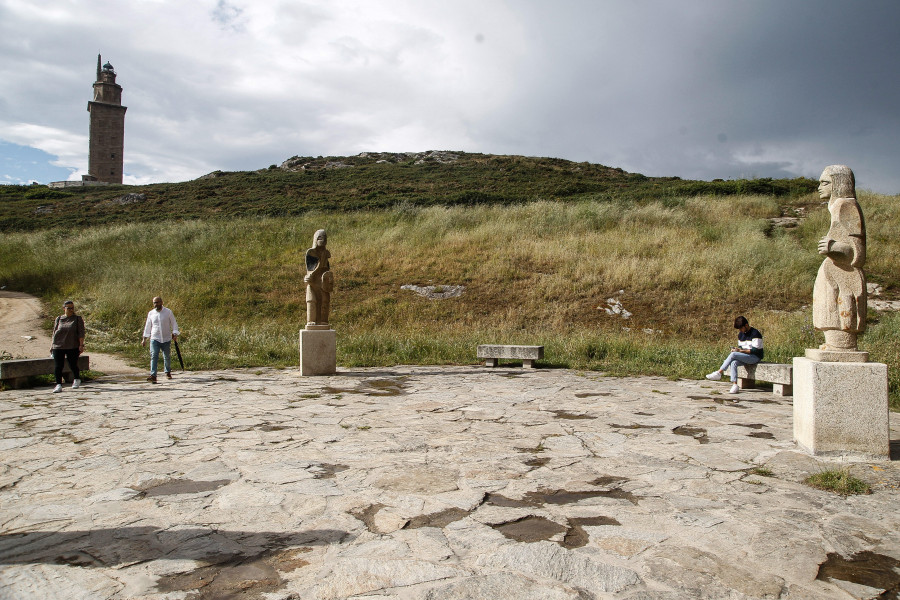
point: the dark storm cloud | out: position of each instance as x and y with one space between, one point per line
714 89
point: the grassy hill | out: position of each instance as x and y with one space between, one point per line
543 248
368 181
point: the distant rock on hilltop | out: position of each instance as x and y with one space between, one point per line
306 163
214 175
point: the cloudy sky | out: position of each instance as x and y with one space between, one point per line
694 88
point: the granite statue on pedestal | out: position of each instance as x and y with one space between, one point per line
318 341
319 282
839 296
841 399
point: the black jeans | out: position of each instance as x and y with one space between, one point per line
72 356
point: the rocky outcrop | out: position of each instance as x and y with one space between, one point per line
129 199
213 175
308 163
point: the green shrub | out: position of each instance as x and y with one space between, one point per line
45 193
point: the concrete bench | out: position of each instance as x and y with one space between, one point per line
527 354
781 376
15 373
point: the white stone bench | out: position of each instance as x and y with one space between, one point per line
15 373
491 353
779 375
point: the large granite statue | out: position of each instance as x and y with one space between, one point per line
319 282
839 295
840 398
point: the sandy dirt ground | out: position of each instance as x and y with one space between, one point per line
21 335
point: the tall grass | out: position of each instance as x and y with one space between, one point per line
537 272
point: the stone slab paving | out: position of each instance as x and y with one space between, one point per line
428 483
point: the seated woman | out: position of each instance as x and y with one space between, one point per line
748 352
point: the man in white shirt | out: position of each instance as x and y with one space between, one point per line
160 329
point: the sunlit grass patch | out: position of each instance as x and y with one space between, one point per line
839 481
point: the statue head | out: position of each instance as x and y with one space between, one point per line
320 238
837 181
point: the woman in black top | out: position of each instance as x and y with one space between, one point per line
68 344
748 352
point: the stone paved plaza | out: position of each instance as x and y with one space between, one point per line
428 483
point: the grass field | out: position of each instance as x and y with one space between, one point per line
536 272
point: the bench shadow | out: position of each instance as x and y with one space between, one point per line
895 449
129 545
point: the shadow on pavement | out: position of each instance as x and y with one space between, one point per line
129 545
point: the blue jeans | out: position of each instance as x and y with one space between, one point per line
154 355
734 359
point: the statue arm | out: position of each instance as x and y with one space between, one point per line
855 230
849 253
845 242
314 265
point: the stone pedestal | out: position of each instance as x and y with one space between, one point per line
841 407
318 351
854 356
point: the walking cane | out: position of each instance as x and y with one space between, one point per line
178 352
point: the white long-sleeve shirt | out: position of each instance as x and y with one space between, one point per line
161 325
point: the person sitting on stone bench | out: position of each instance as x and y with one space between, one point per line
748 352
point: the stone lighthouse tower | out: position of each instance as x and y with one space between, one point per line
107 128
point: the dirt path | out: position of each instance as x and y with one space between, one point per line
21 335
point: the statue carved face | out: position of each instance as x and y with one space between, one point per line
825 184
320 239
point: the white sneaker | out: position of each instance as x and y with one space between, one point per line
734 389
58 388
714 376
76 384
